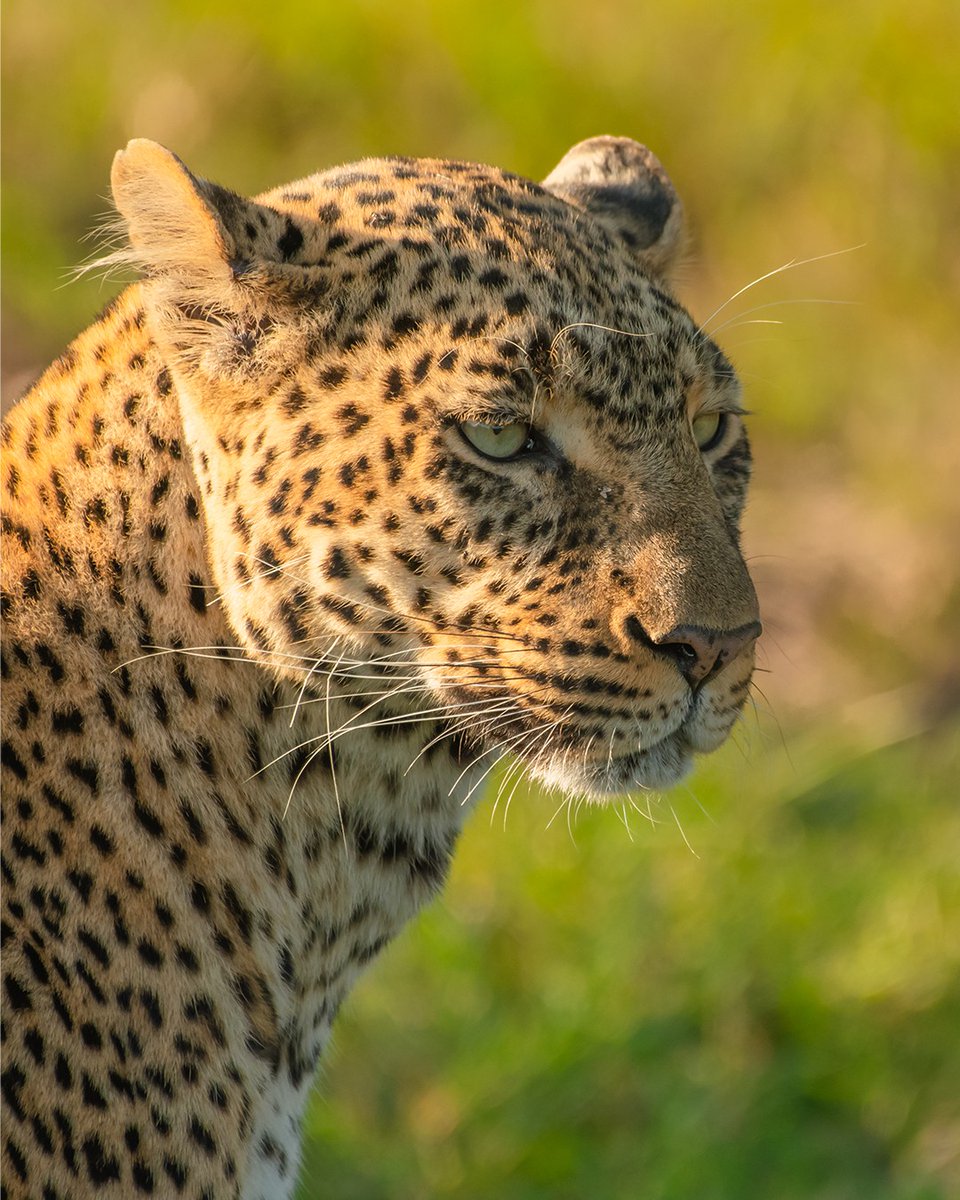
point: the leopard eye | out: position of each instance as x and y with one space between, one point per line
497 441
708 430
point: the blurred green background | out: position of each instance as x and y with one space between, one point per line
756 993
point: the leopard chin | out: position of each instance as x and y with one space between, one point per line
656 768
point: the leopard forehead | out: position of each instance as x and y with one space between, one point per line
390 269
466 252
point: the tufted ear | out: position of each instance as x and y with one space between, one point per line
213 262
623 185
173 218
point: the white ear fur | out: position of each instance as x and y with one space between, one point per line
623 185
170 217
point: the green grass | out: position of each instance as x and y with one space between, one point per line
763 1004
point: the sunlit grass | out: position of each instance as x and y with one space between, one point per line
759 1005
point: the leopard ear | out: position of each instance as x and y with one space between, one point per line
175 221
213 263
622 185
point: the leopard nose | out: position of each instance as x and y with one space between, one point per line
701 653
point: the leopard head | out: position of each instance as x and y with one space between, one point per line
453 425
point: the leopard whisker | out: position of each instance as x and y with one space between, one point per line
737 320
505 705
333 764
348 726
504 746
646 812
594 325
269 569
683 833
548 733
788 266
300 694
621 813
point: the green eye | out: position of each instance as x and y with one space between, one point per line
496 441
708 429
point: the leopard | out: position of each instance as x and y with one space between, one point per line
360 487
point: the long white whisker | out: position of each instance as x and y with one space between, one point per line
794 262
737 319
593 325
333 762
505 746
269 569
682 833
499 707
303 688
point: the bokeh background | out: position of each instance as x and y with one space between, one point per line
750 987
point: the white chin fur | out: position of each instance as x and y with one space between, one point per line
656 769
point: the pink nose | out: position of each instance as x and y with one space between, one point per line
701 653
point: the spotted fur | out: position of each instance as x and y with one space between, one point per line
270 616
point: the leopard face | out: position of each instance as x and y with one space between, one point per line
453 426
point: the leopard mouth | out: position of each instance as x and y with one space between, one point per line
654 768
573 765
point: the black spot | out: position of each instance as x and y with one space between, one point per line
332 376
200 897
295 401
85 772
290 241
128 774
90 1036
204 756
95 946
194 824
101 840
101 1167
95 511
150 954
148 819
150 1003
187 959
59 804
198 599
12 761
156 578
405 324
49 660
31 585
286 965
82 881
62 1073
16 1156
33 1041
17 994
186 683
336 566
393 384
